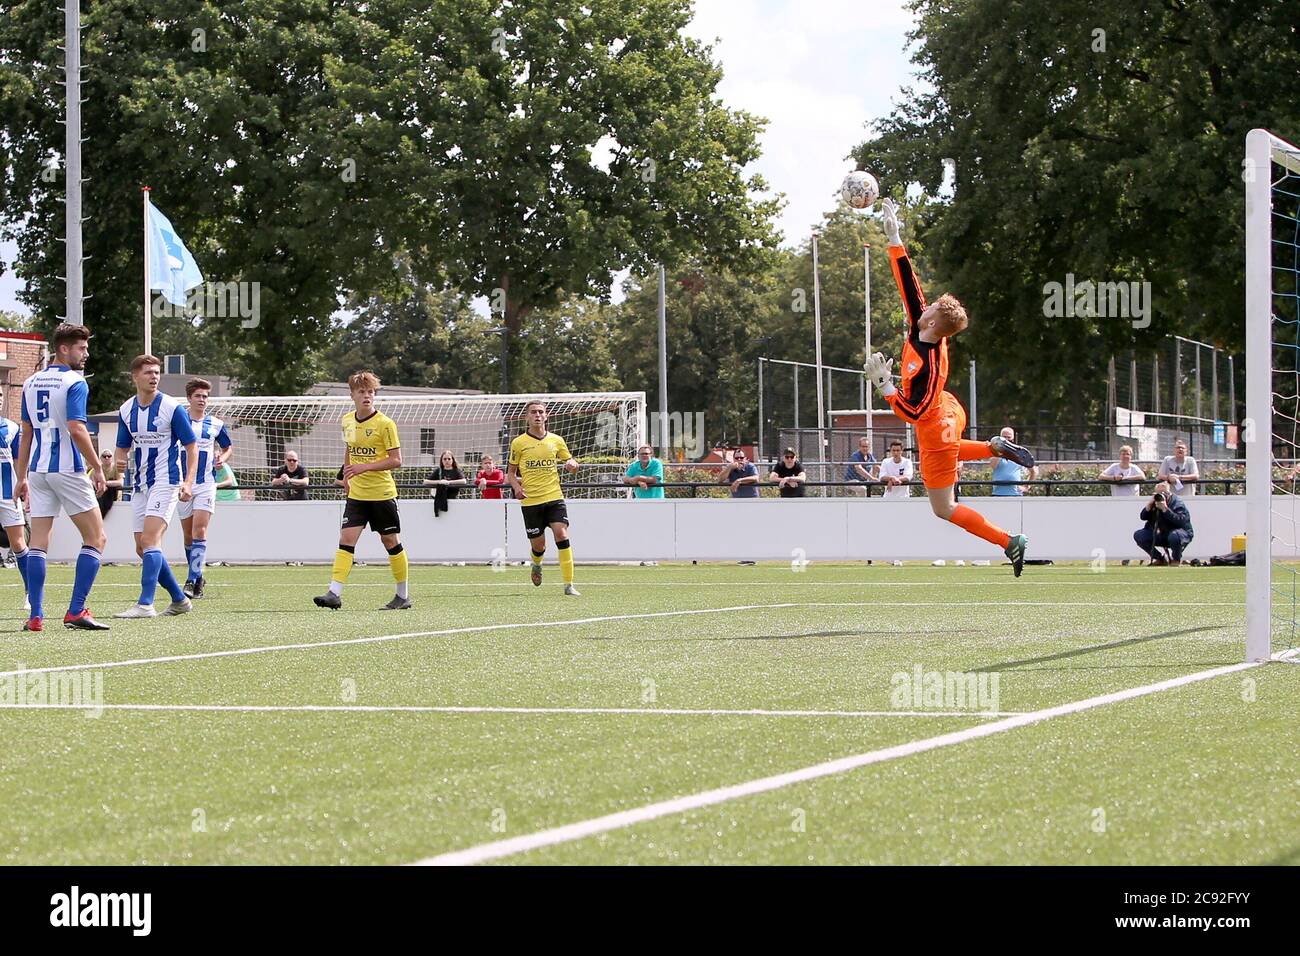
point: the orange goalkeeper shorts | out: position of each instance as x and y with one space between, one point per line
938 436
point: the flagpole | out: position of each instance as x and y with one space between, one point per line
148 322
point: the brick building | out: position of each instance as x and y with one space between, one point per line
22 354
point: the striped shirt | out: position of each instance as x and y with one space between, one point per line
156 431
9 435
207 432
51 399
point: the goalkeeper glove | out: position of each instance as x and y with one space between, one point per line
889 219
879 370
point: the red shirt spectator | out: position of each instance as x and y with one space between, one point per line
489 479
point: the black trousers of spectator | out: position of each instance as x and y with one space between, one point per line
1175 541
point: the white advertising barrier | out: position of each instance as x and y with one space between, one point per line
815 529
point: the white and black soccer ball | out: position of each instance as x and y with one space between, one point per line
860 189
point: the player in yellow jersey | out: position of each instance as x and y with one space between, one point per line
535 459
373 451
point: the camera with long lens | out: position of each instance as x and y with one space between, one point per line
1160 496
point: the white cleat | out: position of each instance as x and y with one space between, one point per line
138 610
571 591
179 607
27 604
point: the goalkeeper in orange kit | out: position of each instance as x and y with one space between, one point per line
937 415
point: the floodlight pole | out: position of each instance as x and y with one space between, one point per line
817 336
72 159
663 365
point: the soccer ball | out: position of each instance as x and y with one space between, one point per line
860 189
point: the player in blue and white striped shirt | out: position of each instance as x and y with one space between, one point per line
57 471
152 428
11 508
214 445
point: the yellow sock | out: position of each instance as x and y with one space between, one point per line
566 562
342 565
397 561
537 558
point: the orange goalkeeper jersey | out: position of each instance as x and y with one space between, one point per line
925 364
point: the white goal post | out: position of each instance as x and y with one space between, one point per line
1272 178
593 424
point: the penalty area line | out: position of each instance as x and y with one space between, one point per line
445 632
449 709
568 833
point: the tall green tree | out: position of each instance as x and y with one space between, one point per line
1096 138
229 112
511 199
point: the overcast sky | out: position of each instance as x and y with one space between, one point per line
818 70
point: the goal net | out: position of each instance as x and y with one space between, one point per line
1272 426
597 426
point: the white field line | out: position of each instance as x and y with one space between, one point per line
616 821
419 709
485 628
446 632
866 582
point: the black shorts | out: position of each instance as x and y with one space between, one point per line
380 515
538 517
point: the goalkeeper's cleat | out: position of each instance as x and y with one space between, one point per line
571 591
537 575
137 610
35 624
189 588
329 599
1010 450
83 621
183 606
398 603
1015 552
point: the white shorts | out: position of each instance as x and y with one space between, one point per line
156 502
11 513
49 491
205 499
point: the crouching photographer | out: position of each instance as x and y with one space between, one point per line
1168 525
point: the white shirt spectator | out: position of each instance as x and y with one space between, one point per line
897 469
1170 469
1117 470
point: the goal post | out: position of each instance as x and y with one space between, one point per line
595 425
1271 173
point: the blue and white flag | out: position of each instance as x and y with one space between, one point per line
172 270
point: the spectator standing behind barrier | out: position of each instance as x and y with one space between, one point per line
645 474
788 473
490 479
227 483
292 477
1168 525
859 472
1178 466
112 483
1008 470
742 476
896 471
447 481
1123 470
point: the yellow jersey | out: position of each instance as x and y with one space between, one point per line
370 439
537 460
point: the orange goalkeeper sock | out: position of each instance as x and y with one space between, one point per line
973 450
971 520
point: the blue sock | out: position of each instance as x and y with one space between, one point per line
21 558
153 563
189 558
87 568
168 580
198 552
36 581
